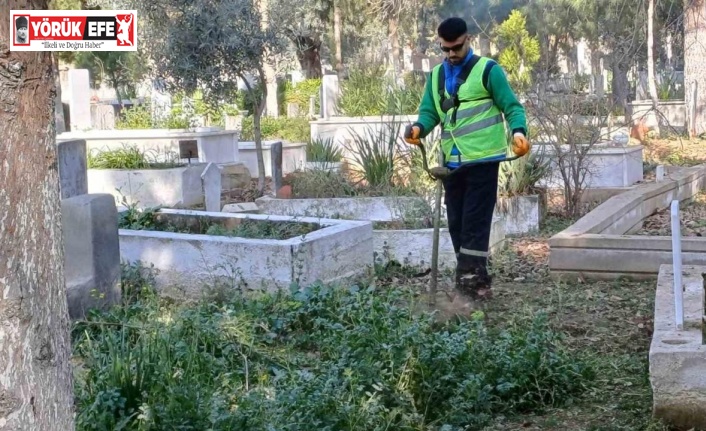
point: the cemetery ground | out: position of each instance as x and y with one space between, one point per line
572 355
368 355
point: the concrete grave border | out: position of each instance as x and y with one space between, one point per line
189 262
522 214
600 245
678 358
214 145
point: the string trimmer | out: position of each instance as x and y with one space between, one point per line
438 173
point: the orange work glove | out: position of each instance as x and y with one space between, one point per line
411 135
520 144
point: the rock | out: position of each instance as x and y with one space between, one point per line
235 176
285 192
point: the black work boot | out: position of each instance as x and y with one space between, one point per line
476 284
472 278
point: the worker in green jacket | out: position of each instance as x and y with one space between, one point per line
470 97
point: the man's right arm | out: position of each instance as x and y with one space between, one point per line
428 117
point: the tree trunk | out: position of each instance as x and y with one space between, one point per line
695 63
259 105
272 103
620 83
337 38
309 55
651 63
36 388
394 36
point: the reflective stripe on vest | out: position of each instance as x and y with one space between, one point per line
473 127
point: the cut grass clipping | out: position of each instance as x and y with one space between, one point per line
317 359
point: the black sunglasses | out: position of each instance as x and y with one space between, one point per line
454 48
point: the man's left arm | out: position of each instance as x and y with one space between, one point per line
505 99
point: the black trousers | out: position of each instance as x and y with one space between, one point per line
470 202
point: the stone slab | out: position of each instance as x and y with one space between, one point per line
189 264
212 145
73 175
211 183
91 252
678 357
522 214
293 156
235 176
605 166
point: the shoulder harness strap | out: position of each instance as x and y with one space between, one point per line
447 104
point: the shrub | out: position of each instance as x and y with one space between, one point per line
286 129
520 177
374 154
367 92
131 157
323 150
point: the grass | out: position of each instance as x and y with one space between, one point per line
609 325
131 157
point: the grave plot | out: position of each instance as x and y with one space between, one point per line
195 250
611 242
522 214
402 225
148 179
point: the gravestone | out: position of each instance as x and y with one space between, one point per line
276 157
103 117
211 181
329 97
312 106
73 174
161 101
79 99
292 110
91 252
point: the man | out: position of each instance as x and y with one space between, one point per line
21 27
469 95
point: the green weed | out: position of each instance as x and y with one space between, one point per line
322 357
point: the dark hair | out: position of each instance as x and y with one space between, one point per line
452 28
21 22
